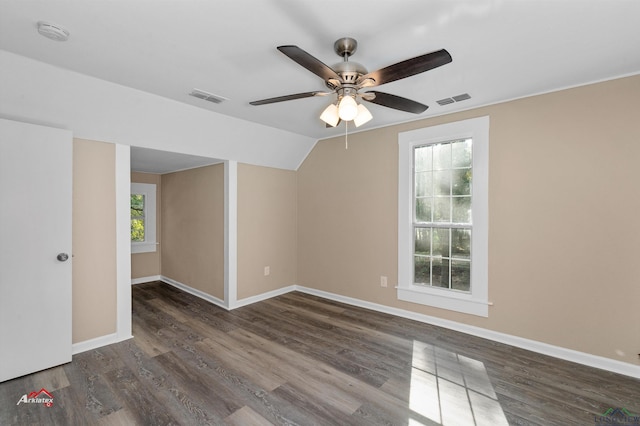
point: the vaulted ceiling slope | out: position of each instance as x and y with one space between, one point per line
501 49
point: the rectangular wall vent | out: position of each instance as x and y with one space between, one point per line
206 96
458 98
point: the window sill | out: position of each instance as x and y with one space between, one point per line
143 247
444 299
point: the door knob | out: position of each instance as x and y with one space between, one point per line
62 257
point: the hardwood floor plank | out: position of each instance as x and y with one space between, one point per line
145 290
270 405
348 333
292 327
487 411
310 344
251 367
330 379
314 409
118 418
145 339
307 376
174 395
90 390
52 379
312 303
178 312
246 417
97 361
354 344
141 403
217 397
68 409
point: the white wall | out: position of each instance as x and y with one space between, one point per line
95 109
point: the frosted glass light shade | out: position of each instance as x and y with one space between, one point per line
348 109
363 116
330 115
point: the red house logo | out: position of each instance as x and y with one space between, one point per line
41 397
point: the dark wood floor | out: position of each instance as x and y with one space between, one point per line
300 359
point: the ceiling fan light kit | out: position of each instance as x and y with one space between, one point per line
345 111
363 116
347 108
345 79
330 115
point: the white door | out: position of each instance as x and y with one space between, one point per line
35 227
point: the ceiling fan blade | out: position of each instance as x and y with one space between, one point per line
309 62
406 68
396 102
289 98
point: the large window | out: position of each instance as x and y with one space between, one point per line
143 217
443 212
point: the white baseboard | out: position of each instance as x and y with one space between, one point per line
219 302
96 343
519 342
264 296
199 293
143 280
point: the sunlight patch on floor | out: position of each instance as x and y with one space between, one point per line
451 389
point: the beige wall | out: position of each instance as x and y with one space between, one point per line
266 229
192 228
148 264
563 236
94 240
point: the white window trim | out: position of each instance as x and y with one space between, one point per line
150 242
476 302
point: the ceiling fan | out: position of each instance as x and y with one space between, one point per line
346 79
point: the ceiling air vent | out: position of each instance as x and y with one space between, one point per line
206 96
462 97
445 101
458 98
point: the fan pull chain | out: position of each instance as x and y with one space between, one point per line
346 137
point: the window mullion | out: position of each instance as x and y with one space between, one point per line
442 225
430 258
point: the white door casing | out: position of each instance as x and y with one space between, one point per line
35 226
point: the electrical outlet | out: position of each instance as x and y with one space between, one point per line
383 281
267 271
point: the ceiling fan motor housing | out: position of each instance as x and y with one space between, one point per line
346 91
349 71
345 46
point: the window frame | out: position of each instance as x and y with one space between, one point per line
148 190
476 301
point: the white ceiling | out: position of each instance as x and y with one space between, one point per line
154 161
501 49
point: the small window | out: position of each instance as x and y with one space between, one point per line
443 216
143 217
137 218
